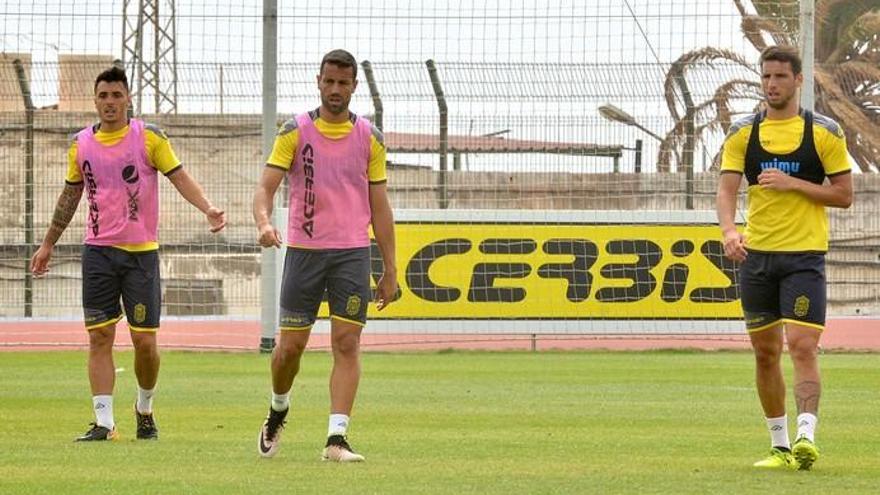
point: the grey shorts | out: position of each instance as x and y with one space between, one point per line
109 273
344 274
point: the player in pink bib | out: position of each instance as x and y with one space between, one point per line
116 162
329 188
335 164
125 209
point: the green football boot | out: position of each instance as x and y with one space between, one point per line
805 452
778 459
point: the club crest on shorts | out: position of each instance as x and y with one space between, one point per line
353 305
801 306
140 313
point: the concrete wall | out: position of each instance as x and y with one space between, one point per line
10 91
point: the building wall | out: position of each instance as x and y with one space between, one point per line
10 90
76 80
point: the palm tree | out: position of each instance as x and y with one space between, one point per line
692 119
847 75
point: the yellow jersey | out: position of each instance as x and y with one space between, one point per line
785 221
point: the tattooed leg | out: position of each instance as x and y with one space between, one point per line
803 345
806 395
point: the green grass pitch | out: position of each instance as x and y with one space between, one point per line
438 423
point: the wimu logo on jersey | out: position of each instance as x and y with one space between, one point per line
787 167
308 155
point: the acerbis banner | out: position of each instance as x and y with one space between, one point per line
527 265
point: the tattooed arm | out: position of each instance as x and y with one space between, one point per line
64 210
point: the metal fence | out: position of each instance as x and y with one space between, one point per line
584 104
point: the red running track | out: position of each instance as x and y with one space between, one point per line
858 334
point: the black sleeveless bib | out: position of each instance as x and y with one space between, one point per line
803 163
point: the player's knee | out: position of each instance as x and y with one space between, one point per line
144 343
101 338
346 345
767 356
290 347
803 350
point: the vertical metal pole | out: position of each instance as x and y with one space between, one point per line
268 271
139 62
157 97
705 167
374 93
28 186
173 48
221 89
687 156
444 133
638 168
807 38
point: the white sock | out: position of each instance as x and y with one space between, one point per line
103 405
145 400
338 425
807 426
280 402
779 432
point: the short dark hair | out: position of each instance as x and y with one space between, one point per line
782 53
342 59
113 74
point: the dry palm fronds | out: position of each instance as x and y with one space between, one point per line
754 27
736 88
835 102
851 40
706 55
855 77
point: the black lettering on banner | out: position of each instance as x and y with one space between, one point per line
577 272
676 276
644 283
714 252
482 287
508 246
308 160
417 278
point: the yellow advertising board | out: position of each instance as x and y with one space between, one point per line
509 270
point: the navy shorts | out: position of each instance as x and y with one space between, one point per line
109 273
343 273
782 286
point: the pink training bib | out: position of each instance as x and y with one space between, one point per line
329 188
121 187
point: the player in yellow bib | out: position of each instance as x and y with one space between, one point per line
796 164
